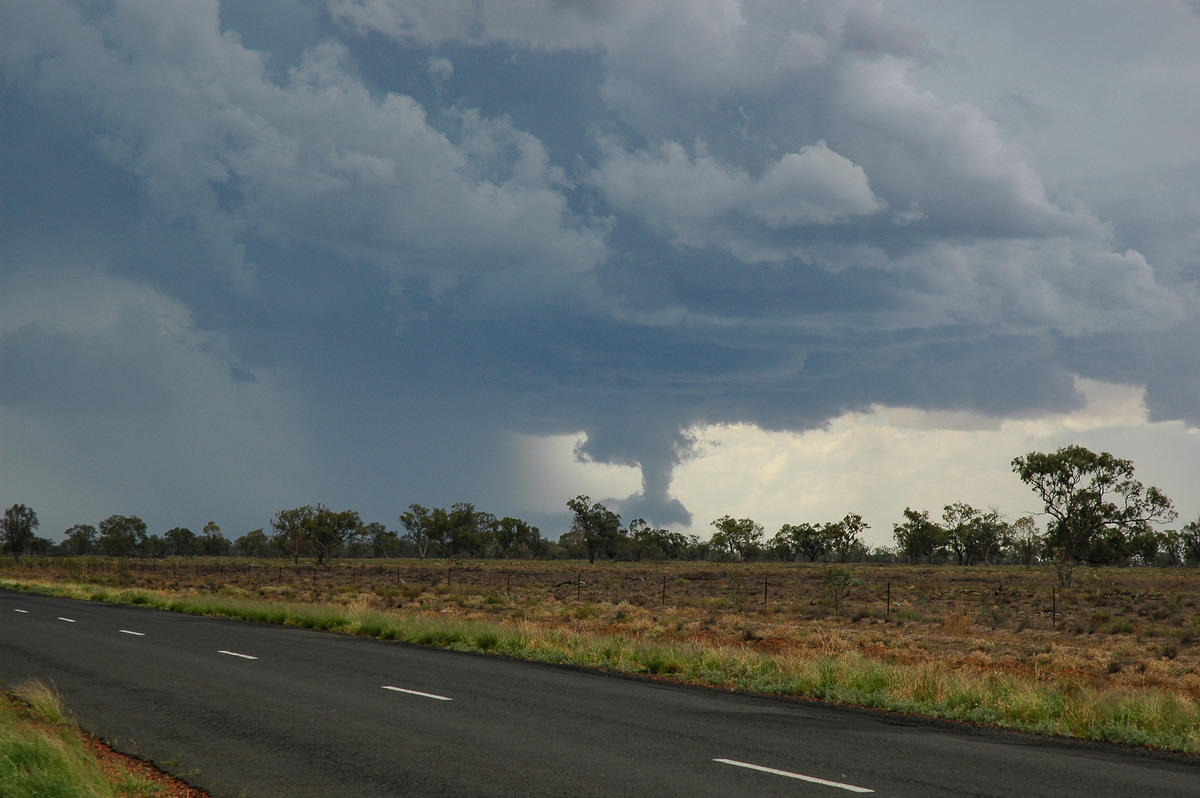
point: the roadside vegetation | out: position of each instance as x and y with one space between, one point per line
43 755
1113 658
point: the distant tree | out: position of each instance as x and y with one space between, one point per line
737 537
571 545
381 541
122 535
598 527
515 537
17 530
845 536
1189 539
418 528
180 542
80 539
653 543
918 536
973 535
1145 546
1171 542
290 527
1094 501
326 530
468 531
253 544
153 546
1026 539
808 540
213 543
42 547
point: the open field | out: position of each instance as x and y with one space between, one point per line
1000 644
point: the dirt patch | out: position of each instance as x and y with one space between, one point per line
116 765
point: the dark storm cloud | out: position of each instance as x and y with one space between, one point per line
416 227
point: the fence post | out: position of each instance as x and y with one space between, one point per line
1054 606
888 612
765 578
664 592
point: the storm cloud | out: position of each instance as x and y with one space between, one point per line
266 253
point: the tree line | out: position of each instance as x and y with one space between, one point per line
1096 511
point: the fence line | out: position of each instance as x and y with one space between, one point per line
866 592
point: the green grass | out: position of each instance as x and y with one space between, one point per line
43 756
1132 716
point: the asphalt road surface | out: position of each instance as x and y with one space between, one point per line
249 709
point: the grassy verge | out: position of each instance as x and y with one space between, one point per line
42 754
1047 704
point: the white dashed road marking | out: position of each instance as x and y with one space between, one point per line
127 632
417 692
790 775
68 620
235 654
23 612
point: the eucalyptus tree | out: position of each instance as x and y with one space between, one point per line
515 537
289 530
122 535
180 542
17 530
80 539
845 536
1095 503
418 526
918 536
598 527
975 536
737 537
326 530
808 540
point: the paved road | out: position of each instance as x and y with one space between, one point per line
263 711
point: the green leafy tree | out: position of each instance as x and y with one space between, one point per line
80 539
652 543
122 535
419 528
380 541
468 531
1094 502
918 536
1145 546
1189 539
326 530
212 542
290 530
254 543
810 541
515 537
598 527
973 535
845 536
1172 547
737 537
181 542
571 545
1026 539
17 530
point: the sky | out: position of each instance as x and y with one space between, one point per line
775 259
